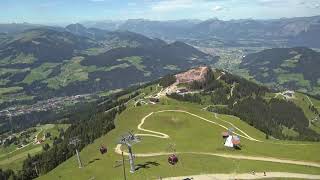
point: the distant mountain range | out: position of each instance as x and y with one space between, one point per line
246 32
12 28
46 62
43 61
113 38
289 32
291 68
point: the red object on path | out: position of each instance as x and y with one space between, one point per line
173 159
103 150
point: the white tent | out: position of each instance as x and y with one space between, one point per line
228 142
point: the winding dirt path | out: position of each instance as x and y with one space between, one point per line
251 138
258 175
232 88
158 134
223 73
165 136
209 121
241 157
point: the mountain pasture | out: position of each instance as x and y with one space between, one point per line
195 135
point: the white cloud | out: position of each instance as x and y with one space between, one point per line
313 4
217 8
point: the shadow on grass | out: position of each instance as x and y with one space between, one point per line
92 161
147 165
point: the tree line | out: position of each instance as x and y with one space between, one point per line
167 80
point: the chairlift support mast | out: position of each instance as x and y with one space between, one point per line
75 142
129 140
124 167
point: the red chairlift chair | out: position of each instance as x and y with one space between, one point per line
103 150
173 159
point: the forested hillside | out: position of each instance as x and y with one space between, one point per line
46 62
291 68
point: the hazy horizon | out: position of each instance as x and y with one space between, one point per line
66 11
168 20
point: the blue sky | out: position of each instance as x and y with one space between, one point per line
70 11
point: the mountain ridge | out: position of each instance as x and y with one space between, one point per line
51 62
285 29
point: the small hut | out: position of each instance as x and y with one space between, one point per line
228 142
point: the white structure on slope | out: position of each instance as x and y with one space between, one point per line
228 142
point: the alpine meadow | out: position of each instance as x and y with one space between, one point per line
161 89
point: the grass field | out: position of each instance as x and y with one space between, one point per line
9 90
11 157
39 73
298 78
189 134
72 70
18 59
303 101
5 79
136 61
172 67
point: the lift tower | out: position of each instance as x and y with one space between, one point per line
75 141
128 140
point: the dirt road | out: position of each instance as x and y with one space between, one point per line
258 175
162 135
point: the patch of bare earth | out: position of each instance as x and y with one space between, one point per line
196 74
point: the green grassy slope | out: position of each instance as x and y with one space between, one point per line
190 134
